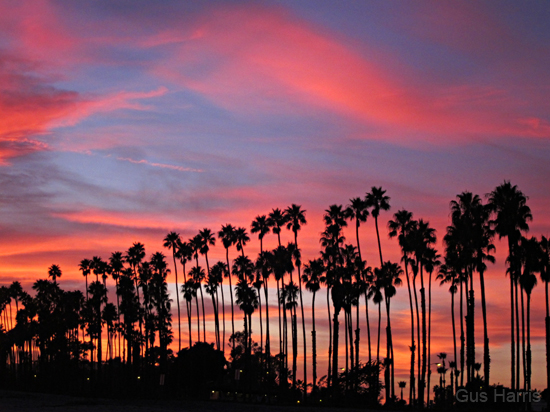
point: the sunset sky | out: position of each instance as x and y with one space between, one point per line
122 121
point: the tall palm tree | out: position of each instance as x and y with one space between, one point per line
401 227
378 201
296 217
260 225
198 275
185 254
189 291
312 278
116 262
331 240
447 274
430 263
134 256
228 236
422 237
509 206
212 283
531 257
390 277
248 303
264 266
172 241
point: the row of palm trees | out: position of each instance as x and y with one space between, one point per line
142 312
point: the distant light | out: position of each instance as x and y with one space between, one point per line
86 378
343 369
297 401
139 377
212 391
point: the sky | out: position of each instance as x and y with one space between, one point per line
122 121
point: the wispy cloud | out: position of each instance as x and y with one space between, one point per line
161 165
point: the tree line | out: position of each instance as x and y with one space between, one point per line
58 327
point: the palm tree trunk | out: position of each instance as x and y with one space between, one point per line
461 333
378 344
357 333
547 326
203 314
429 336
230 293
523 353
314 345
198 318
368 325
267 339
424 335
417 336
189 307
412 348
177 298
378 238
389 389
486 357
261 323
303 332
329 374
512 342
453 383
528 355
517 334
223 317
335 354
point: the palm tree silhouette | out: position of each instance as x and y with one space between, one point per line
401 227
377 200
296 217
185 254
54 272
312 278
172 241
228 236
264 268
189 292
276 220
260 225
116 262
198 275
531 256
248 302
509 205
85 268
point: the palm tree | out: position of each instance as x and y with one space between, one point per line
242 239
228 236
98 294
248 302
171 241
296 217
116 262
422 237
185 254
331 240
430 263
198 275
447 274
531 257
312 278
509 205
212 284
401 227
276 220
189 291
85 268
54 272
134 256
377 200
358 210
264 266
260 225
